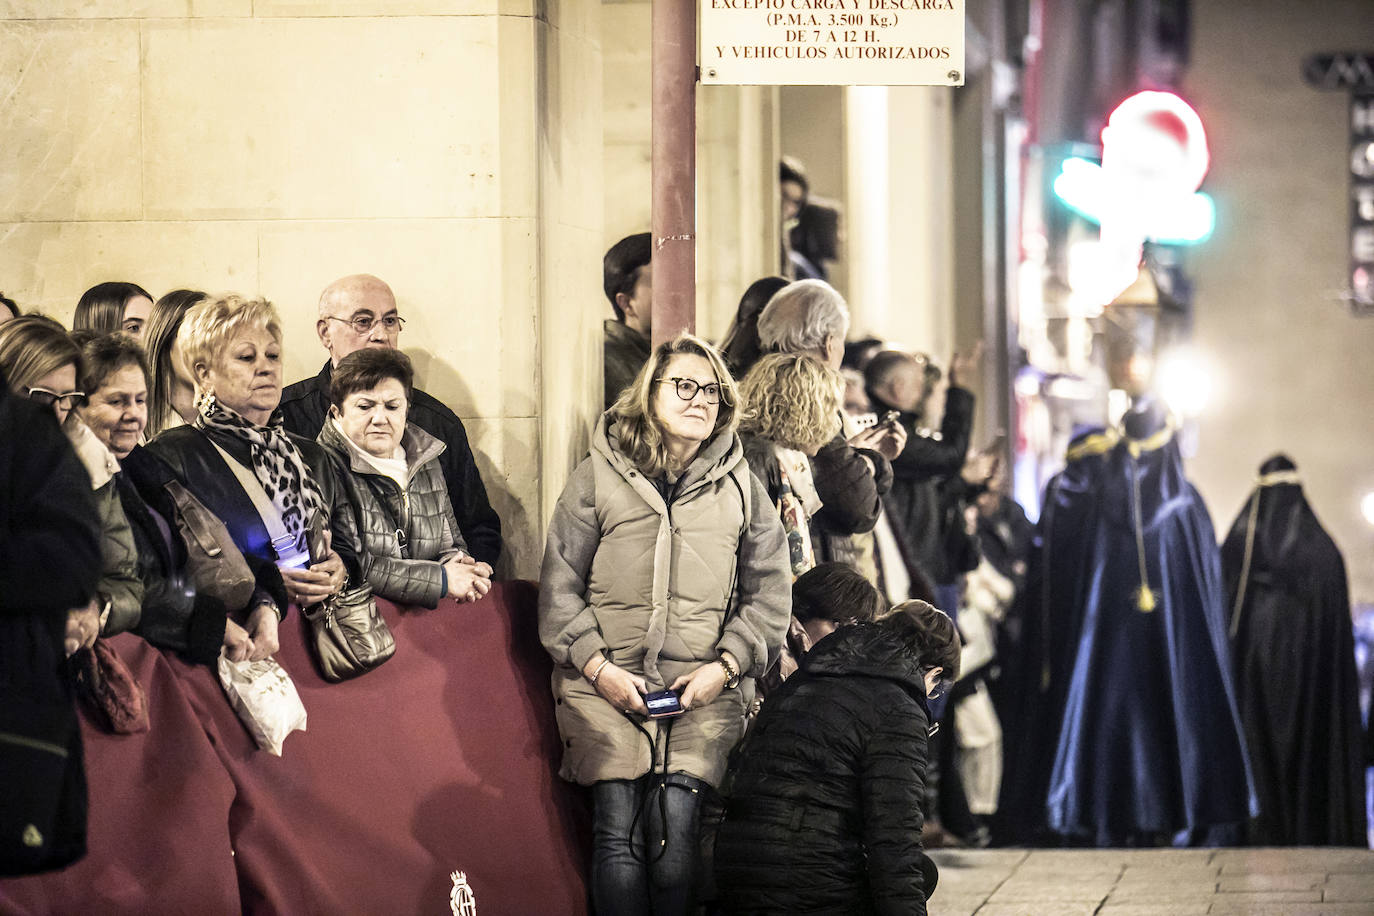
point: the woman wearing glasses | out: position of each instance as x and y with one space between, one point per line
43 364
665 569
824 808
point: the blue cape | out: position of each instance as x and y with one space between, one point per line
1150 742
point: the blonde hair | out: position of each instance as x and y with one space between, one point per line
793 400
210 324
31 346
637 423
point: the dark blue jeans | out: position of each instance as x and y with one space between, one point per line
652 871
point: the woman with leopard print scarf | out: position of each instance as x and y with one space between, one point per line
231 347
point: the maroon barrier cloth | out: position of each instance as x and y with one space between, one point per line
158 833
442 760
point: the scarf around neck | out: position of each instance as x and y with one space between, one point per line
276 462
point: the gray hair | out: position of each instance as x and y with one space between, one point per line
800 317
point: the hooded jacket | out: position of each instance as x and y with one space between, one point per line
409 571
647 582
823 813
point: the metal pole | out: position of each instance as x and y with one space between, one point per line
674 46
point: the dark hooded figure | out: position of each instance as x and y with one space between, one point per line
1150 747
1295 667
1037 678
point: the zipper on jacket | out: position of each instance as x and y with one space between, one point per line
35 744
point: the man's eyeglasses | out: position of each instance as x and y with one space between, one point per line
363 324
48 398
687 389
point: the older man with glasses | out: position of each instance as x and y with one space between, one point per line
360 311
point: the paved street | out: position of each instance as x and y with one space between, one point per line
1154 882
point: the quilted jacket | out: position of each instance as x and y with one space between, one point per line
647 582
119 579
305 407
384 519
823 813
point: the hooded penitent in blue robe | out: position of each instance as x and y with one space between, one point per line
1039 677
1150 742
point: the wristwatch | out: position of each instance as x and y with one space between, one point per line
731 675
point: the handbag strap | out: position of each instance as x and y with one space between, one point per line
286 546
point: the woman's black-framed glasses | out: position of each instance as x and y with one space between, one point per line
47 397
363 324
687 389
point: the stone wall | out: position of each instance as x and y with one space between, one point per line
452 147
1293 367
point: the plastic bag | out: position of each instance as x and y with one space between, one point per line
265 698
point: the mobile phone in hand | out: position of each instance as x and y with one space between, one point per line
663 704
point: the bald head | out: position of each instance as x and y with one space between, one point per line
353 302
899 379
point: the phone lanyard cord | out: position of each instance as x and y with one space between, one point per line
656 781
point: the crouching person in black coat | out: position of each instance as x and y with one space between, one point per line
824 807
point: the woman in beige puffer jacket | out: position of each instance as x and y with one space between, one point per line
665 567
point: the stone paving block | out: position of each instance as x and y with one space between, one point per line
951 905
1143 870
1280 881
963 882
1172 908
1139 890
1239 898
1036 908
1350 887
1017 890
1301 859
1289 909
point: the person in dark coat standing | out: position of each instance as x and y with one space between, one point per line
824 811
1294 653
50 562
627 277
926 499
360 311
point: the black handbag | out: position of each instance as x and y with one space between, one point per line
348 633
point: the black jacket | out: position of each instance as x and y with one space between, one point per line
305 404
50 562
924 504
623 353
852 493
174 616
823 813
196 462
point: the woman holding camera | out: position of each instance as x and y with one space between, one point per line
665 569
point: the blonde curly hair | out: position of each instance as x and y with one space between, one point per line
792 400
